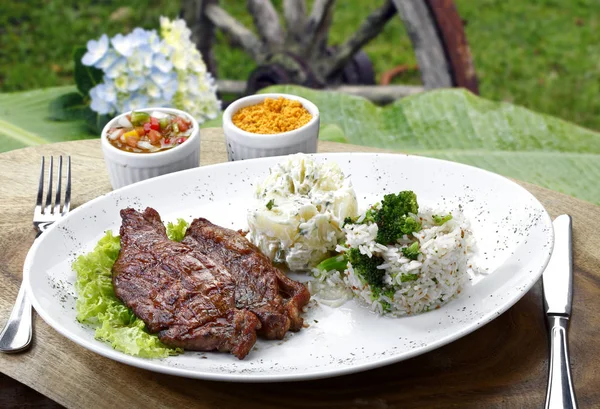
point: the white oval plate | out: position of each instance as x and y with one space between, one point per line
513 232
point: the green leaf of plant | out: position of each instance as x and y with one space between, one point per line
456 125
24 120
68 107
96 122
86 77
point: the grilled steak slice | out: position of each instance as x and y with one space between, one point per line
261 288
182 294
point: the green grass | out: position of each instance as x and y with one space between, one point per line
542 54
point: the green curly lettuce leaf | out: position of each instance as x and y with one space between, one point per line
176 231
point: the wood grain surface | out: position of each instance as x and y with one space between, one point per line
502 365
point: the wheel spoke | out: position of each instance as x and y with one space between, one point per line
266 21
294 12
450 27
429 49
317 28
240 34
203 30
369 29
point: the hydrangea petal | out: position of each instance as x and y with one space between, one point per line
107 92
162 62
95 50
153 90
123 44
99 104
122 83
116 69
135 83
107 60
170 88
135 101
160 77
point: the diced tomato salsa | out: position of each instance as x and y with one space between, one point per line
141 132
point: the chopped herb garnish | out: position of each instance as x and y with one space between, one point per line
439 220
337 263
405 278
270 204
412 252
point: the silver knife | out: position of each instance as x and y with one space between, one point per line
557 282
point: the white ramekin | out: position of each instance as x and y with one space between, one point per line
246 145
125 168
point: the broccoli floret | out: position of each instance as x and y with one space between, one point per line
393 220
404 278
390 292
370 216
412 251
366 267
439 220
386 306
408 200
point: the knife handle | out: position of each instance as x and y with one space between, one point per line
560 394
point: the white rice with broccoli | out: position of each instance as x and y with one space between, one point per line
398 259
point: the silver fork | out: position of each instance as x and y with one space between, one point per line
16 334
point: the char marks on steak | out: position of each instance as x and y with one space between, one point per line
212 291
261 288
182 294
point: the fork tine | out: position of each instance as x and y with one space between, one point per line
57 200
48 207
67 204
40 195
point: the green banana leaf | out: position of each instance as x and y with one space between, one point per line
24 120
456 125
450 124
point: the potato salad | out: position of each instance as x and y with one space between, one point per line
299 212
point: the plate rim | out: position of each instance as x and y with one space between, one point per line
153 364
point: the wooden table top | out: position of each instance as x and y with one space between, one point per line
503 364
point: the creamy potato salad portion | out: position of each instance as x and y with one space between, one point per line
299 212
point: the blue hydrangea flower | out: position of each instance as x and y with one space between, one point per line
135 101
107 92
116 68
110 57
101 96
170 89
143 69
95 50
136 83
162 63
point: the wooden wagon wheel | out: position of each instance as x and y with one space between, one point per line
302 55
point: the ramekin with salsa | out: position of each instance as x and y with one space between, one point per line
149 142
143 132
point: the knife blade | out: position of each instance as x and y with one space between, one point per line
557 279
557 283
